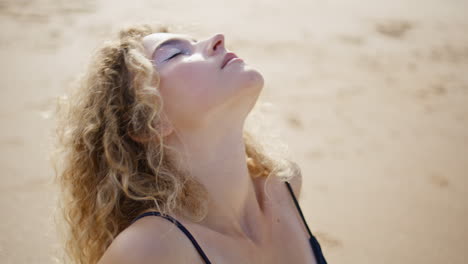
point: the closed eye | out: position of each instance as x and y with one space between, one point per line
178 53
175 55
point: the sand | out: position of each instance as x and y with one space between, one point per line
370 96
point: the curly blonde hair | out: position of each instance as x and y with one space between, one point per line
112 162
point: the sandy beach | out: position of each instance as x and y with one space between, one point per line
371 98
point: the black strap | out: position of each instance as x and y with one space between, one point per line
181 227
298 207
312 240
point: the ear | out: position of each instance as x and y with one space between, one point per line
164 125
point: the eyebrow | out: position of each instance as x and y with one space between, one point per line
168 42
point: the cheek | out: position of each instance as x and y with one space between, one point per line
189 87
190 79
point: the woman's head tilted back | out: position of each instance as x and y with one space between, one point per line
197 88
115 131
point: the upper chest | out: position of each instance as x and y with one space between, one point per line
286 240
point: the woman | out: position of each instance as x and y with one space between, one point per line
157 129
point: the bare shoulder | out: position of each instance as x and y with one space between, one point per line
278 186
150 240
296 180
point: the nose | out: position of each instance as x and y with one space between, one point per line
216 44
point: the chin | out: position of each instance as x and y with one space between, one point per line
253 79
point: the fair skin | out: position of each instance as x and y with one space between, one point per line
244 224
208 128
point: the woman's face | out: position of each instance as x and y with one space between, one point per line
195 87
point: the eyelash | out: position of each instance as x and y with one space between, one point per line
175 55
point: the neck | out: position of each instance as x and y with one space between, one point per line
219 163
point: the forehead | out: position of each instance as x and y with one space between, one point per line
150 42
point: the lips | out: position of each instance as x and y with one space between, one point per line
229 56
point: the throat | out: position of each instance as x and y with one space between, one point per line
249 223
256 224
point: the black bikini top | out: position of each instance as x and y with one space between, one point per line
316 249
